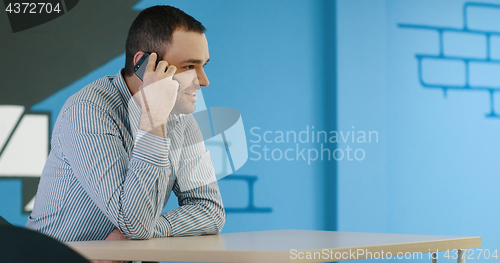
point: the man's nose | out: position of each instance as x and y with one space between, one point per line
201 79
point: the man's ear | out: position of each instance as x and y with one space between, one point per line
138 56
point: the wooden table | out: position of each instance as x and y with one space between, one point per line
276 246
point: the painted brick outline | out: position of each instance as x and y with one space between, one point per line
491 88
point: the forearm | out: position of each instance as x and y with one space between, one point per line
144 189
201 210
140 202
201 213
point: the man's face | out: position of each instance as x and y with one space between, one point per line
188 51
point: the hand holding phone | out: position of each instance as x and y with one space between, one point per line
157 93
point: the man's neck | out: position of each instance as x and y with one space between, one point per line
133 83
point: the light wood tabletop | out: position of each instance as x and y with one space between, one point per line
274 246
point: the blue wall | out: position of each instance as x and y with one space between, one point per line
435 167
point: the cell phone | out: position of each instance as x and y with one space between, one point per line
140 67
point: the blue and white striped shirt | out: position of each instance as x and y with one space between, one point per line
102 173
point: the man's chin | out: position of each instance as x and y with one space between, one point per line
183 110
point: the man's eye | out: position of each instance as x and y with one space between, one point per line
189 67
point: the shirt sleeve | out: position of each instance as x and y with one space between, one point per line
201 211
130 192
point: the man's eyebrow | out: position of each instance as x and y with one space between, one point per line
195 61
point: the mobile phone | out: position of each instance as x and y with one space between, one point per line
140 67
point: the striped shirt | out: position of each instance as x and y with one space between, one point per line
103 173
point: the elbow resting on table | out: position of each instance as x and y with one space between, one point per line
137 232
138 236
212 223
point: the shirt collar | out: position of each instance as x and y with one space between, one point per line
134 111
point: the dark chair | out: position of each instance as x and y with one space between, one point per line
21 245
4 222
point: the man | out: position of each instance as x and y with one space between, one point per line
121 145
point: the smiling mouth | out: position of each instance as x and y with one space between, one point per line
191 96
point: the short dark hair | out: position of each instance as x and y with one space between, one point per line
152 31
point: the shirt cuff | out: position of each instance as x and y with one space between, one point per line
151 149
